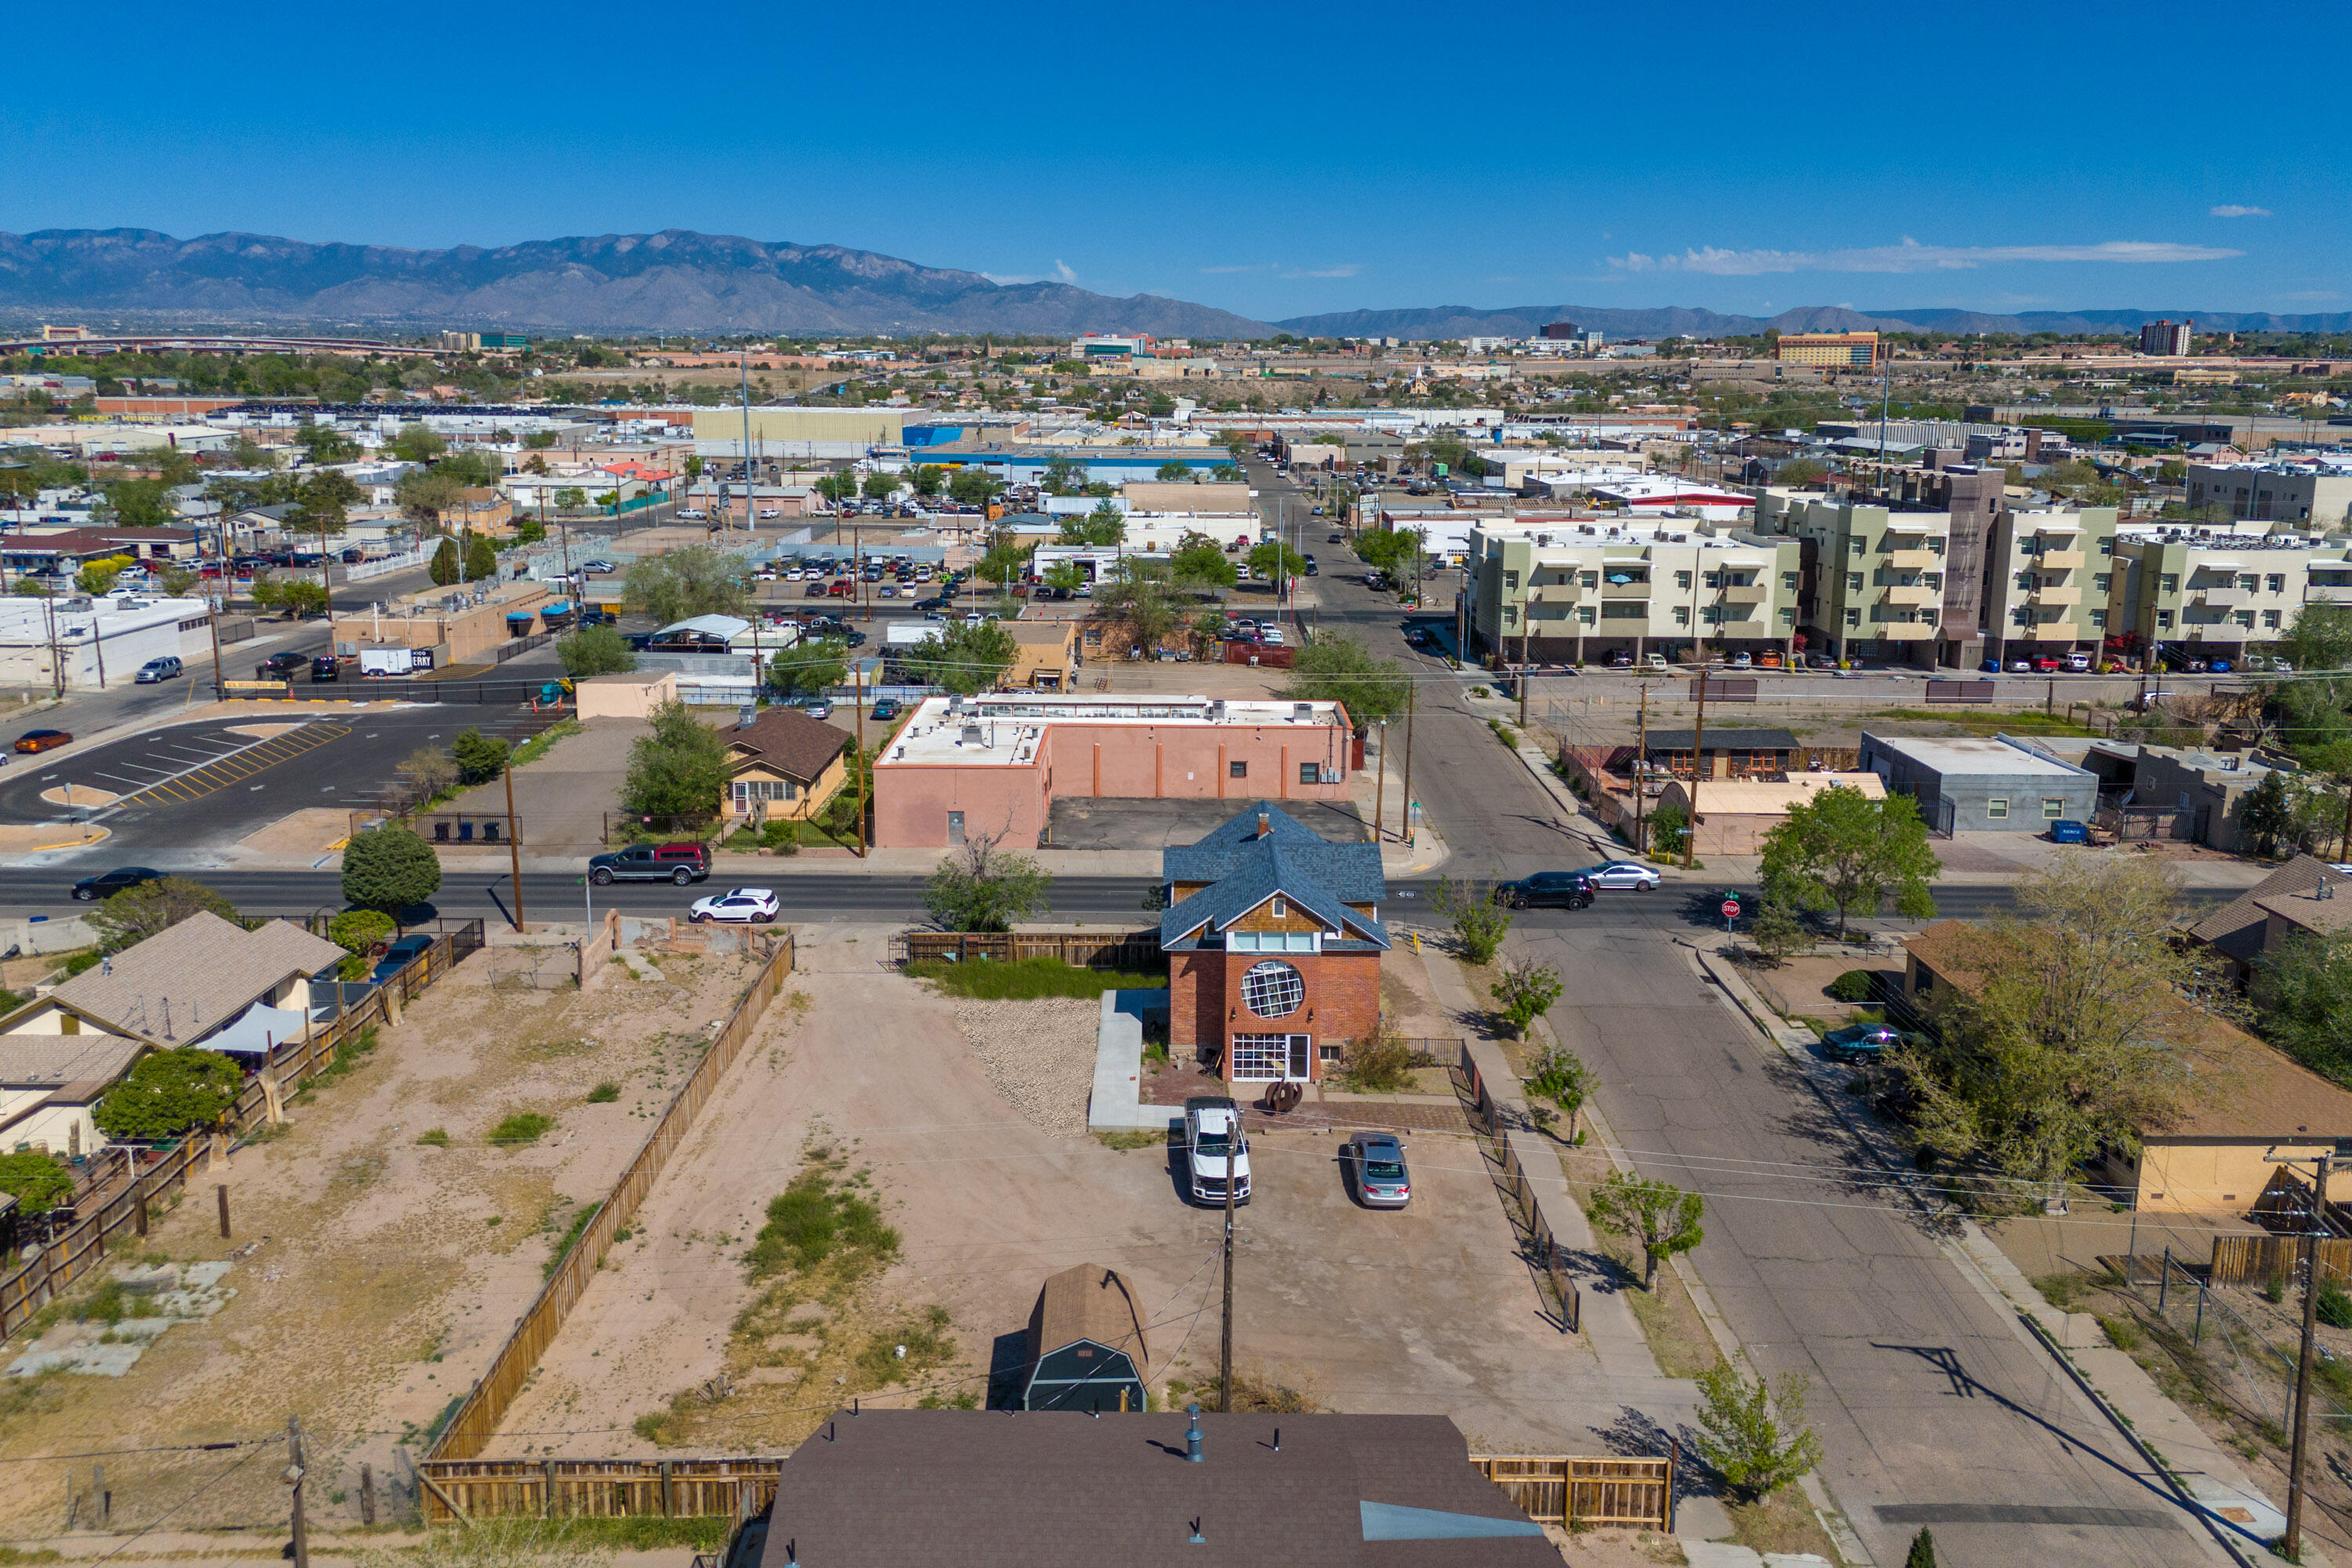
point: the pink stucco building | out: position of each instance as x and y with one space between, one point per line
994 764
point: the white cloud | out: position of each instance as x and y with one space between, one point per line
1009 279
1911 257
1217 269
1063 270
1345 269
2230 210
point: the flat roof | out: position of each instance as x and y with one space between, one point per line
1973 754
1005 729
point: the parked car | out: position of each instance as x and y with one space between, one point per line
1622 659
1858 1042
740 906
2078 663
1417 637
1767 661
1376 1161
106 884
679 863
819 708
817 589
2047 664
326 668
167 667
1215 1148
1547 890
397 957
1630 874
43 740
1741 661
598 568
2066 832
692 514
885 709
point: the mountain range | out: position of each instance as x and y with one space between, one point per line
682 281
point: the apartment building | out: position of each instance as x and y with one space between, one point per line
1872 579
2048 577
2167 338
2313 497
1858 350
1584 590
2215 593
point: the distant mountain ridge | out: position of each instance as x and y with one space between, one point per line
1527 320
673 282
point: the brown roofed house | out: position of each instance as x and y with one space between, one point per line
786 766
48 1083
206 981
2249 926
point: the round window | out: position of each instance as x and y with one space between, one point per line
1273 989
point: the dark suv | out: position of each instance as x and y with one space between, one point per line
1546 890
282 666
679 863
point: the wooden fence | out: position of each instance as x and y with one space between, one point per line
468 1489
1129 950
82 1245
1543 1249
2238 1259
470 1429
1571 1492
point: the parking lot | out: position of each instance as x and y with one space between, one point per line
1429 1309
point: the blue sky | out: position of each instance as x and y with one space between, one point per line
1275 160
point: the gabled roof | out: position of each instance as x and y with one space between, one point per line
788 742
181 984
2236 928
1243 867
73 1067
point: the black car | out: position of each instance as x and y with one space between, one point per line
326 668
282 666
1546 890
108 883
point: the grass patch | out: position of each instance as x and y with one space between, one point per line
1504 733
2122 1332
433 1138
2064 1291
1136 1138
523 1127
1030 979
815 1216
604 1093
539 746
1783 1522
348 1055
570 1238
2023 721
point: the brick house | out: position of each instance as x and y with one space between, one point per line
1274 942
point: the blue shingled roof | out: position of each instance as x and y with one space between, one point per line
1243 868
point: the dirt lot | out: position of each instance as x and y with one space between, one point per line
387 1269
1425 1309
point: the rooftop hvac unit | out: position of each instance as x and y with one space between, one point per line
747 715
1217 710
1300 712
971 735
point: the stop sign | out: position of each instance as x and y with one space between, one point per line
1730 908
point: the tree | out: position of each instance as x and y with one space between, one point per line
881 485
595 650
1337 667
361 931
99 576
1525 990
964 659
1778 933
1062 477
481 557
981 888
37 1182
1754 1434
838 485
1669 829
1173 473
443 566
679 771
571 499
1276 561
529 530
475 471
1142 594
1560 1076
1004 561
137 503
973 487
415 444
167 1093
1923 1550
540 440
1803 473
1064 577
134 914
684 584
426 496
1200 566
389 868
809 669
2069 1029
1101 529
1842 850
1657 1217
2302 992
2267 815
481 758
929 479
298 597
1479 923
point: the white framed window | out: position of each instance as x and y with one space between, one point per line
1267 1058
1279 909
1274 942
1996 808
749 790
1273 989
1788 618
1682 614
2053 807
2098 620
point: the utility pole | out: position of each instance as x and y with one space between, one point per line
860 761
1410 693
2291 1544
1698 765
1225 1356
1526 630
1641 762
514 842
1380 786
294 1478
745 363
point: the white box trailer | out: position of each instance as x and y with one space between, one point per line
395 661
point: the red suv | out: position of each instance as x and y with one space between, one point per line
679 863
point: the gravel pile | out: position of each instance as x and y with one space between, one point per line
1038 1055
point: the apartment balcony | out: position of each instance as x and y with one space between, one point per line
1901 631
1915 560
1747 593
1911 595
1626 590
2061 560
2219 598
2328 594
2048 596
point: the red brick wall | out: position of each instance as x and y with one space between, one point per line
1343 997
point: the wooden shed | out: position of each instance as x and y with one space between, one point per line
1085 1343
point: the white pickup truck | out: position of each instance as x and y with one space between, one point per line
1213 1139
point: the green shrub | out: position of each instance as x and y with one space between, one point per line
813 1219
523 1127
604 1093
38 1183
1381 1065
433 1138
358 932
2334 1307
1028 979
168 1092
1854 985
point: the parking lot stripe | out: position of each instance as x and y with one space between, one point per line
233 766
